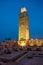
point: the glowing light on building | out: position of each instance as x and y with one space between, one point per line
22 43
38 43
31 43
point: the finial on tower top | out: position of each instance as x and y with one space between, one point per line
23 9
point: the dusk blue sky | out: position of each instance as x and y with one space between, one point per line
9 15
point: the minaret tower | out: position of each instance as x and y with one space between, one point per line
23 33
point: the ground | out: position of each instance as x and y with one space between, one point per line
22 57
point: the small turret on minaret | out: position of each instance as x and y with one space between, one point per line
23 9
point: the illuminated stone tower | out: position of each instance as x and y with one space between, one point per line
23 25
